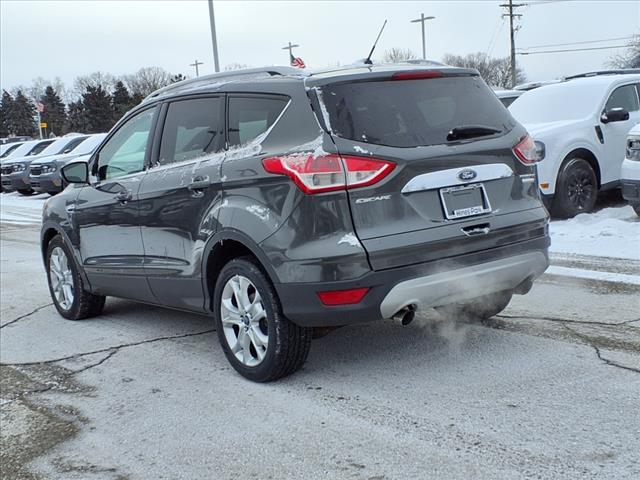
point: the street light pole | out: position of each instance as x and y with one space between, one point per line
422 20
214 42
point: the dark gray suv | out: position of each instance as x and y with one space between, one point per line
278 201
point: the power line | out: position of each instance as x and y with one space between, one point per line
547 2
572 50
578 43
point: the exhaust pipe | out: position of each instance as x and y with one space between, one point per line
405 315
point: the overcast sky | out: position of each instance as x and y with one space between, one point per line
69 38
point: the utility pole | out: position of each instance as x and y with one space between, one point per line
511 8
422 20
196 64
214 42
290 47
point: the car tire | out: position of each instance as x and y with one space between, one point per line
576 189
73 302
481 308
248 315
26 191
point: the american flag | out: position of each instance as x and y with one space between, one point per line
296 61
40 107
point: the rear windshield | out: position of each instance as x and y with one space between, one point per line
412 113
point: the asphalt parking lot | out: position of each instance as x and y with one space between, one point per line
549 389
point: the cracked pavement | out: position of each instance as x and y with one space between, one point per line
548 389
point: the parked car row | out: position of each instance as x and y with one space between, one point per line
580 126
34 165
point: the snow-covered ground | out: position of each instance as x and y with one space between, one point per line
610 232
20 209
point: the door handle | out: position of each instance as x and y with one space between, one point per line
473 230
124 196
199 183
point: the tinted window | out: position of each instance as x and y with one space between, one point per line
73 144
252 116
411 113
8 151
506 101
192 128
124 152
40 147
623 97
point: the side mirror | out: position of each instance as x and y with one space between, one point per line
615 115
76 172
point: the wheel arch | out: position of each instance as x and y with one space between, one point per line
222 247
48 232
585 154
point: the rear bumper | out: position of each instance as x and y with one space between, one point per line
425 285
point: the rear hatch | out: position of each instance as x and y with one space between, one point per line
457 185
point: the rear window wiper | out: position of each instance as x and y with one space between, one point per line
470 131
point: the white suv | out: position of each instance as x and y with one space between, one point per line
580 126
631 170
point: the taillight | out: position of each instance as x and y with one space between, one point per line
331 172
526 151
416 75
343 297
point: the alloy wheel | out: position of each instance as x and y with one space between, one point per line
61 278
580 189
244 321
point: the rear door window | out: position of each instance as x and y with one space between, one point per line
412 113
192 128
250 117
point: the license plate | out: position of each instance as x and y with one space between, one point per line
464 201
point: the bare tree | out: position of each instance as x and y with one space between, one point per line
147 80
96 79
395 55
39 85
495 71
630 58
235 66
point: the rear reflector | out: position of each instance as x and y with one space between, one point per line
343 297
330 172
526 151
416 75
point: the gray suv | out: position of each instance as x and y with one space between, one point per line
277 201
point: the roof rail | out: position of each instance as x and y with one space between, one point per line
270 71
617 71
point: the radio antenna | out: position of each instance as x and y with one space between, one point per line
368 59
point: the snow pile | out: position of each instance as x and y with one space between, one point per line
610 232
21 210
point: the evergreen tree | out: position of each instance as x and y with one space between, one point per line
54 112
97 107
6 114
76 118
23 116
122 101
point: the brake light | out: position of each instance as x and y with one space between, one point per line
526 151
416 75
330 172
343 297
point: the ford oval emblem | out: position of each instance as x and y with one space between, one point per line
467 174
